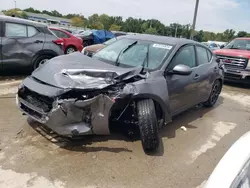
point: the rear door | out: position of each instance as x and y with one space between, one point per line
20 43
206 70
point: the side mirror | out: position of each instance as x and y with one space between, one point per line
181 70
218 60
222 46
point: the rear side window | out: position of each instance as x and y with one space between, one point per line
32 31
60 34
15 30
202 55
210 55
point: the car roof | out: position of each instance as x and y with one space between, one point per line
21 21
161 39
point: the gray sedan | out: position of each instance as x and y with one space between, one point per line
137 83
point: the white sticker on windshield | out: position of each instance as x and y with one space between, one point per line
168 47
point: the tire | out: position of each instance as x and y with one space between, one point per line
41 60
214 95
148 125
70 49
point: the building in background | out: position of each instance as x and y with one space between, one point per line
47 19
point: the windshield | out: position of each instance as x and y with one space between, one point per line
137 53
110 41
242 44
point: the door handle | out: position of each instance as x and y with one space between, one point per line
38 41
196 76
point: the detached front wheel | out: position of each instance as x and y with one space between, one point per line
148 125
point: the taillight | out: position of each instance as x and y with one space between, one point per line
58 41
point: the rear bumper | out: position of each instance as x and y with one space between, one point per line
241 76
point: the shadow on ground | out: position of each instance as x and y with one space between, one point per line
238 85
82 144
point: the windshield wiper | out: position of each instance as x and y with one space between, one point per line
123 51
145 60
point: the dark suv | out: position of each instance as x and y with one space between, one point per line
26 44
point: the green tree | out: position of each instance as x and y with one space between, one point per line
15 12
97 25
242 34
151 30
31 10
115 27
77 22
105 20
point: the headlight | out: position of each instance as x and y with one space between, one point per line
83 50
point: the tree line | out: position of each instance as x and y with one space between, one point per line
134 25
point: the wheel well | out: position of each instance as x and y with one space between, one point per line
71 45
123 114
46 52
220 81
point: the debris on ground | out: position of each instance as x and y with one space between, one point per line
94 157
184 128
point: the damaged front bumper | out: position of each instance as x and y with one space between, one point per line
69 117
242 76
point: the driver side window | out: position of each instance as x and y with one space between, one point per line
185 56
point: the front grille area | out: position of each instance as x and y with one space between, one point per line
43 103
233 62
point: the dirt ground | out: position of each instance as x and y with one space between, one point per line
29 157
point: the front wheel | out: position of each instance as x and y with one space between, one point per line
148 125
214 95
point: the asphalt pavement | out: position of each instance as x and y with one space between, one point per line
33 157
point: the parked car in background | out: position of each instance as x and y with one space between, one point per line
137 82
233 170
70 42
236 57
211 45
92 49
91 37
26 44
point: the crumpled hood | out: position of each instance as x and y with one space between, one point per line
233 52
81 72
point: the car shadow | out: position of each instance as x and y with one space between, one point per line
238 85
8 75
82 144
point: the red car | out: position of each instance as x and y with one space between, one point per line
70 42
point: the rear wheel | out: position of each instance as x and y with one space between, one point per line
70 50
41 60
148 125
214 95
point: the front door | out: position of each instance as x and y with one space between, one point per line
183 89
19 45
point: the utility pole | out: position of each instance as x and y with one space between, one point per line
15 4
175 35
194 20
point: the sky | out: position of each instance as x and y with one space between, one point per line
213 15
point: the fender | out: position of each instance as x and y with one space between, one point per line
164 107
154 88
